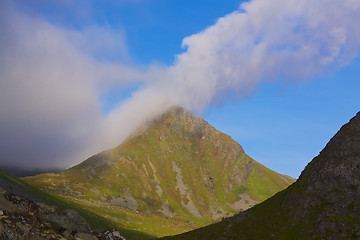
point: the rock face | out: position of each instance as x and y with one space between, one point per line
330 185
323 204
22 219
177 172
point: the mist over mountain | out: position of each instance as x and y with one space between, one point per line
173 174
53 80
322 204
25 172
79 77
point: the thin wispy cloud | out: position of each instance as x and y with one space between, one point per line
53 78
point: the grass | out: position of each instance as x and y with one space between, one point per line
22 188
213 167
263 221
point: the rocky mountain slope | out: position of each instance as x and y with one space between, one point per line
174 174
323 204
24 214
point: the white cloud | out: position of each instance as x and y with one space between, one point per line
50 90
101 42
264 40
51 83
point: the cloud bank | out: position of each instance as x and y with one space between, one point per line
52 78
50 86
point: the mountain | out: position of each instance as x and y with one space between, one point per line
28 213
324 203
174 174
25 172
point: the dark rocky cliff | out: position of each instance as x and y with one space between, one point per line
327 192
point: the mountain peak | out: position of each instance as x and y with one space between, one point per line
181 118
176 169
342 149
189 128
174 117
177 110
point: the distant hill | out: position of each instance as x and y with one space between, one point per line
174 174
26 172
323 204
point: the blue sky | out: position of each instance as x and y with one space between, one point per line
153 30
282 122
285 126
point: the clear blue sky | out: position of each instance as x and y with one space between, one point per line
282 125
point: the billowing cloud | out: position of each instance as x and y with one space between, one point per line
50 90
51 83
284 40
264 40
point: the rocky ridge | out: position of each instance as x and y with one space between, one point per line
327 194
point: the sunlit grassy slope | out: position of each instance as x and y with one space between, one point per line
174 174
324 203
17 186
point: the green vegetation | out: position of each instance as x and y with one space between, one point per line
177 174
263 221
13 184
323 203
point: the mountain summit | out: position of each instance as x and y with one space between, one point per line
323 204
175 173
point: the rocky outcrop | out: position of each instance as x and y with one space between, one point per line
21 218
330 187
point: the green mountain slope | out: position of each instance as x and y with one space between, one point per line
29 213
174 174
323 204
